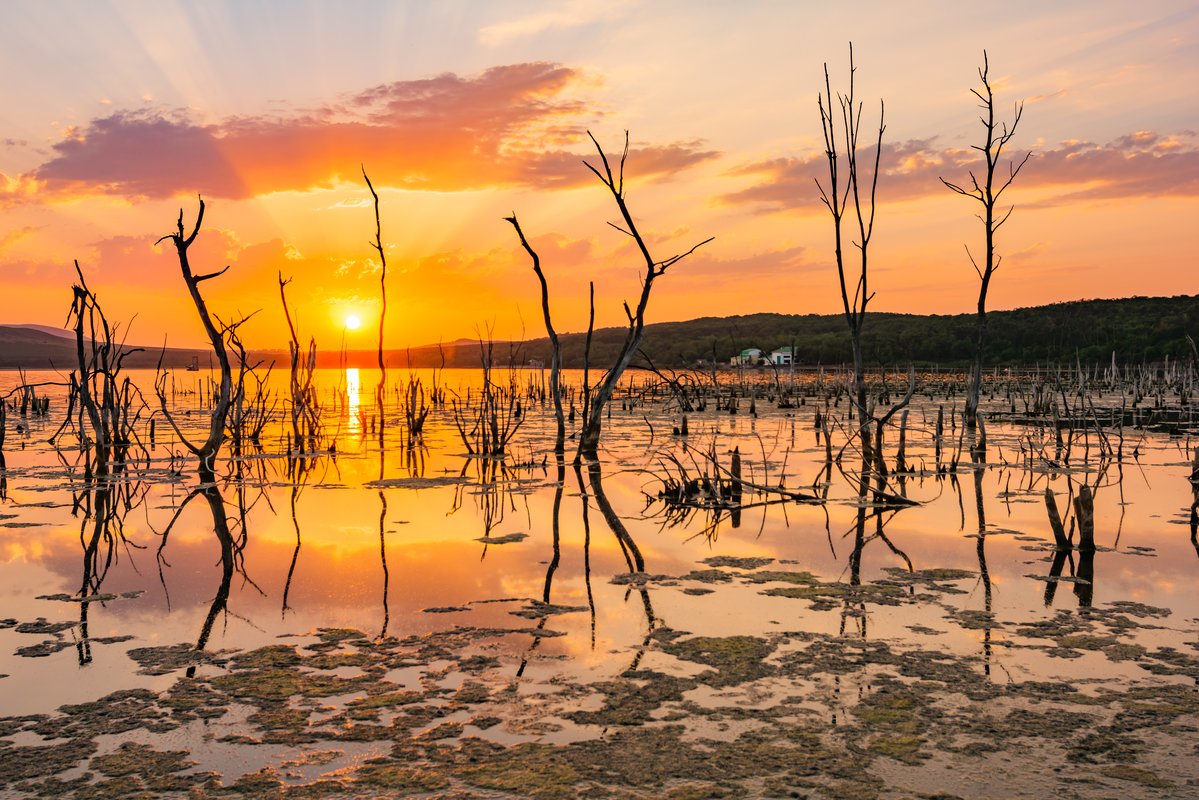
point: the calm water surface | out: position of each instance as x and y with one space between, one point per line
402 544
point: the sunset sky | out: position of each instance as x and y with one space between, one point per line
114 116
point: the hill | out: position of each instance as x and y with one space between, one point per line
1136 329
41 347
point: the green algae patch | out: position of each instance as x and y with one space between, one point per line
24 763
1139 609
170 658
130 758
398 780
737 563
281 725
774 576
936 575
338 635
811 592
822 595
277 684
1110 646
189 700
737 659
329 661
275 655
118 712
632 699
530 770
704 791
264 783
708 576
1144 777
388 700
894 711
1086 642
903 748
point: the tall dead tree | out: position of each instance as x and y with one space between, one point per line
205 451
845 192
555 345
987 192
593 421
378 245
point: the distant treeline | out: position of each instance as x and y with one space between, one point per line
1136 329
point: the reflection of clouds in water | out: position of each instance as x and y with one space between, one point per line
434 560
353 402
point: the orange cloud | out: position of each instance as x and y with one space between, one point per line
446 133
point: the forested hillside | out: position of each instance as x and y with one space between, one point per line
1136 329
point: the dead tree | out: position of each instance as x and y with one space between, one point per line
305 407
378 245
205 451
846 189
110 405
987 193
593 420
555 345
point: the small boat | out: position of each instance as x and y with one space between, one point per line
195 365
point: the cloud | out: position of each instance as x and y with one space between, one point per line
505 126
16 236
563 16
763 265
1140 164
560 169
786 183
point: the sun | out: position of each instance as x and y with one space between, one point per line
353 322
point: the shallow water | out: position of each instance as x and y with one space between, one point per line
924 649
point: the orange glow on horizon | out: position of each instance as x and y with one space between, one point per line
476 126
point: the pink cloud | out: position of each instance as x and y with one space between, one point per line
1141 164
505 126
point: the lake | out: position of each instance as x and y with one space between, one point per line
380 617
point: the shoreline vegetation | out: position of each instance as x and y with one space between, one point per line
1133 329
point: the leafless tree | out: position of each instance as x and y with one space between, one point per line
595 402
205 451
305 408
109 404
987 192
555 345
848 190
378 245
654 268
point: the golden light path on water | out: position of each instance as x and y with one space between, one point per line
353 402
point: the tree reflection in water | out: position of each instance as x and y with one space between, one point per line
101 507
978 459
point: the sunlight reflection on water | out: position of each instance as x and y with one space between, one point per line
353 402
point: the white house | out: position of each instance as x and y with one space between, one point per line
781 357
